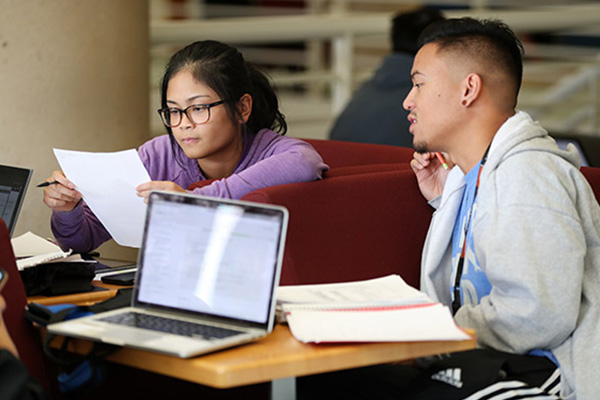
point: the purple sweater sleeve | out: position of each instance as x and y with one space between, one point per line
271 160
79 229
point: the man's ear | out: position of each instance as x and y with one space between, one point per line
471 89
245 107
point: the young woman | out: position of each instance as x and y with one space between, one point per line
221 115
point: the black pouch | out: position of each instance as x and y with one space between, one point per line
58 278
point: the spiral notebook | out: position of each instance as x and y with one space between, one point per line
31 250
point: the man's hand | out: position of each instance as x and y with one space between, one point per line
431 174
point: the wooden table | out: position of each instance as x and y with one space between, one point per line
277 356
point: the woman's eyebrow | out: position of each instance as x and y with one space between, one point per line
190 99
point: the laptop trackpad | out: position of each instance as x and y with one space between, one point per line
121 336
158 341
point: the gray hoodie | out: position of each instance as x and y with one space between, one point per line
537 237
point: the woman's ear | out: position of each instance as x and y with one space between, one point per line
245 107
471 89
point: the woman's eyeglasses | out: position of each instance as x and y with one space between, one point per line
196 113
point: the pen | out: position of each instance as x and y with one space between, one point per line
441 159
44 184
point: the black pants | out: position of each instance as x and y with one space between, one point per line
475 375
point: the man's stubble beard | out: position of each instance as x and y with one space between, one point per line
420 147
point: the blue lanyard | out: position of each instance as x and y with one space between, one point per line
461 260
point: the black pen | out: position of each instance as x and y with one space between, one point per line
44 184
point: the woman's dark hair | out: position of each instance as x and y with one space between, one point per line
492 41
223 69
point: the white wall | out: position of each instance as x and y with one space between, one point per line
73 75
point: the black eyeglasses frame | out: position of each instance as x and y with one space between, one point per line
162 111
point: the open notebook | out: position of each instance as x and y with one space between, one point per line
13 185
207 273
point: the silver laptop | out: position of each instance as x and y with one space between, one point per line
13 185
207 273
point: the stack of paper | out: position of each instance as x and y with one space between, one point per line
382 309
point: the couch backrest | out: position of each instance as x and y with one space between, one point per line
350 158
345 154
352 227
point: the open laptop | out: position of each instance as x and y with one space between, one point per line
205 264
13 185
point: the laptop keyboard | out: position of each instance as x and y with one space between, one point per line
169 325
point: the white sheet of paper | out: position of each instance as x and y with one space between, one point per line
107 182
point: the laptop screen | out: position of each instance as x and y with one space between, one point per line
213 256
13 185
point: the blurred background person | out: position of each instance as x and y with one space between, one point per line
375 114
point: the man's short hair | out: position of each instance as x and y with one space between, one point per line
407 26
491 42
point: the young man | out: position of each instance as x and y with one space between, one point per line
527 277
